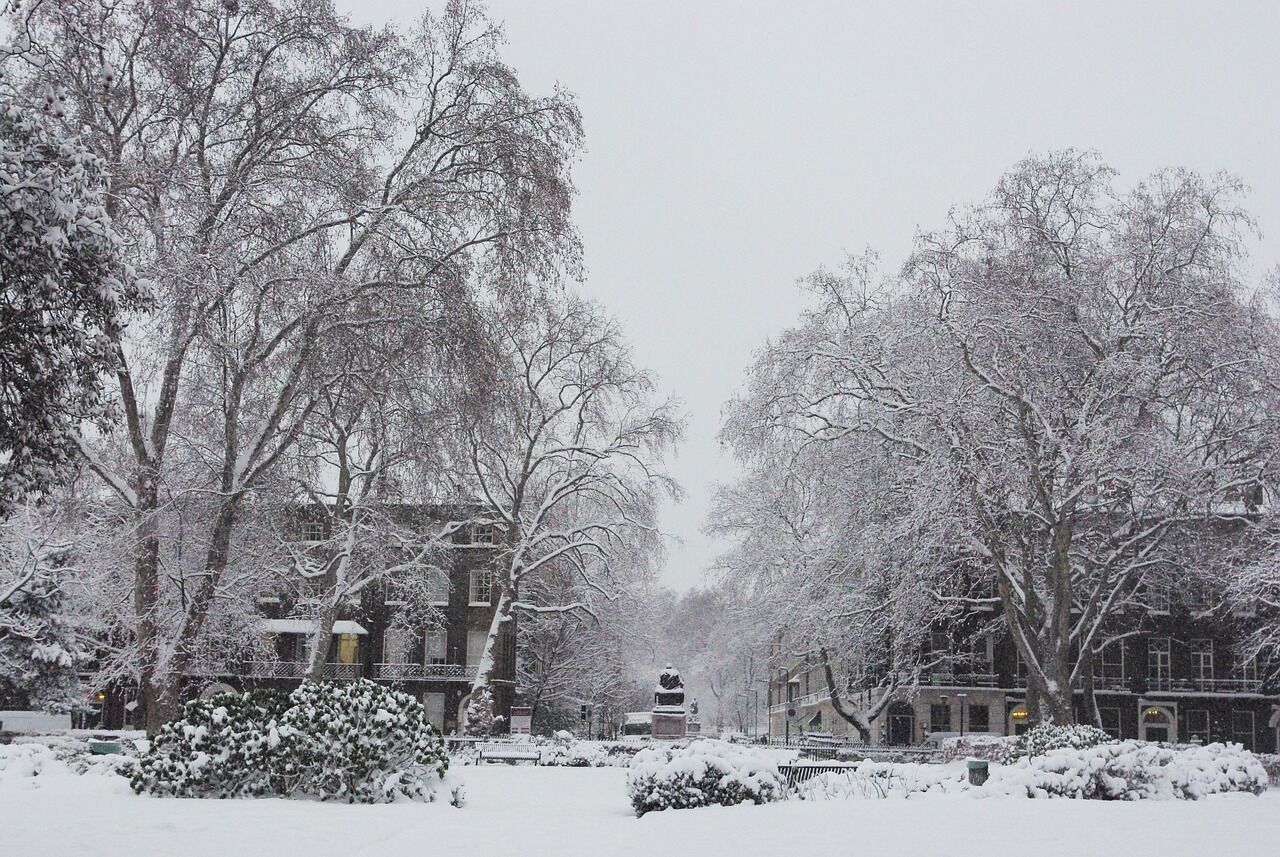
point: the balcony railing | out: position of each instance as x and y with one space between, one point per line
278 669
1205 685
424 672
951 679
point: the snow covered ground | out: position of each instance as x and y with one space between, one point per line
532 812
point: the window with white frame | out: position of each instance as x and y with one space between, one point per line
1109 663
484 534
1247 668
437 585
1158 649
476 638
1158 598
480 591
1202 659
395 646
435 651
313 531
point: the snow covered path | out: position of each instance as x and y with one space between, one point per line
550 812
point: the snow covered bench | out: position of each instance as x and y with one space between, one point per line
509 753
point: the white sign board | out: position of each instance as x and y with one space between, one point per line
521 720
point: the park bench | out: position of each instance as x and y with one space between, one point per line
509 753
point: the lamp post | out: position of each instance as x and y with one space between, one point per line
963 697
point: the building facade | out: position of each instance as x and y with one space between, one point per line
436 661
1175 678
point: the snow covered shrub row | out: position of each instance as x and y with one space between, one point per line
587 754
1136 770
1128 770
705 773
1043 737
1003 749
1271 763
358 742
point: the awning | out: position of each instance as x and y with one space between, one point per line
308 626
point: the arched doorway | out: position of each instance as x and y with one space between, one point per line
902 724
216 687
1157 723
462 714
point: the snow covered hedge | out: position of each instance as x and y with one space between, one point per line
1127 770
358 742
989 748
705 773
1044 737
1136 770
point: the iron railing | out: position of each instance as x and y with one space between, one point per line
424 672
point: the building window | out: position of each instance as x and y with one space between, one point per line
484 534
437 586
1109 663
1247 669
1158 662
1242 728
979 718
395 646
481 590
1158 598
313 531
1202 659
434 651
1110 721
1198 725
939 718
476 639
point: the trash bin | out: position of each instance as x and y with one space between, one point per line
977 771
98 747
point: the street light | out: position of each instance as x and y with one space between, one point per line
962 697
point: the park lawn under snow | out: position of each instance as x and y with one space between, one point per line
532 812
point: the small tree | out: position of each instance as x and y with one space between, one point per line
39 646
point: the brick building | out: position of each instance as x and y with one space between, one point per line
436 664
1175 678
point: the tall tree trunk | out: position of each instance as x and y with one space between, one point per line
853 718
170 690
488 664
146 595
321 639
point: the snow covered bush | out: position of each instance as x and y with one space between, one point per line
989 748
705 773
571 753
358 742
481 721
1134 770
222 746
1043 737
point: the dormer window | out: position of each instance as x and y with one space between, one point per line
484 534
313 531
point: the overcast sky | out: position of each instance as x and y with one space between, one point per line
734 147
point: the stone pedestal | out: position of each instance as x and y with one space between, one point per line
670 719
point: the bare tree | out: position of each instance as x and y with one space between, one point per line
1060 380
567 464
272 166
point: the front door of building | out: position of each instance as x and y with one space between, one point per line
1156 725
902 725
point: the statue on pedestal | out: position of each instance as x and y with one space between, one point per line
670 720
